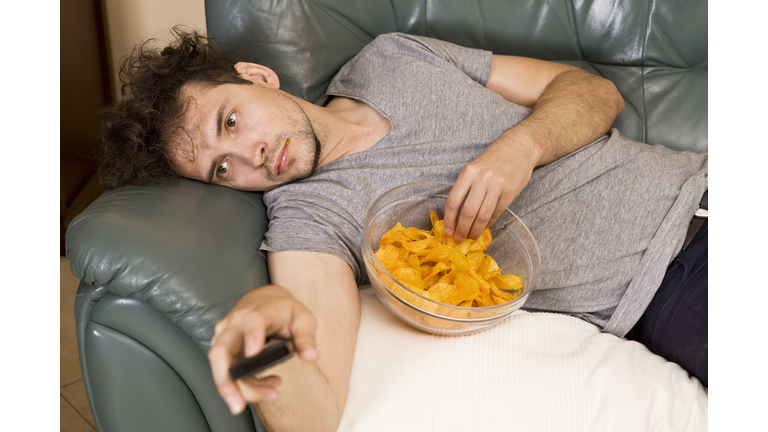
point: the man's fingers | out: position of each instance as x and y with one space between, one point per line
478 211
241 333
456 197
483 217
295 322
469 211
221 359
254 332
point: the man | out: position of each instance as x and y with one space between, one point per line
609 214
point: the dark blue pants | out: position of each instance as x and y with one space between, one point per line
674 325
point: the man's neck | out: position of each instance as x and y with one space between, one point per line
345 126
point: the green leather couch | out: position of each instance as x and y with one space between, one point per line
161 265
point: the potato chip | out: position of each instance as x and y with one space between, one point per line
402 254
492 265
413 262
483 286
490 274
409 277
482 242
442 292
439 253
440 268
466 287
431 280
419 245
393 264
477 261
496 292
433 217
447 278
498 300
395 231
438 230
416 234
387 252
512 282
484 301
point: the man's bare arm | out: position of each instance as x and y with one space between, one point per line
314 301
571 108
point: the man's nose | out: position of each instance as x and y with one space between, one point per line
254 153
259 153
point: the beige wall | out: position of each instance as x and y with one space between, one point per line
129 22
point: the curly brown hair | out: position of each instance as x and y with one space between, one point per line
134 143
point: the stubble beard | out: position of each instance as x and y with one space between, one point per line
306 137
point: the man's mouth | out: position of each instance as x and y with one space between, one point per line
281 162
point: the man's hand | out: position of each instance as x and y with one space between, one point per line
486 187
266 311
571 108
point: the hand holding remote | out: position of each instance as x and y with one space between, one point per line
268 310
275 351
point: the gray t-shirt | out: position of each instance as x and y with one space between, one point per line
608 218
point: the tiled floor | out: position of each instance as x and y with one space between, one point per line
75 412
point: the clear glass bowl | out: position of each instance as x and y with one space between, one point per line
513 248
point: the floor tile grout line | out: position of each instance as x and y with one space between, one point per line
78 412
73 382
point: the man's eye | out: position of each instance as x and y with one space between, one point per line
231 121
221 171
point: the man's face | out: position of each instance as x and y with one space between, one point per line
247 137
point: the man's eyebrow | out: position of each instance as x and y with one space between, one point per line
220 117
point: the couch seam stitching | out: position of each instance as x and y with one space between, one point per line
651 6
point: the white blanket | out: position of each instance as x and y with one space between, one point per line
532 372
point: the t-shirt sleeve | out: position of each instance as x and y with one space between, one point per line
476 63
392 51
300 220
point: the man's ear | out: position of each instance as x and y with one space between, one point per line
257 74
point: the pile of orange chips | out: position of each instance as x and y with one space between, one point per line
440 268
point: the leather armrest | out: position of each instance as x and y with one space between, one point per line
134 360
191 250
159 267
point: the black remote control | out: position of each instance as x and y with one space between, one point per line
275 351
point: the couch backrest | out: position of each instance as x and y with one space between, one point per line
655 51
